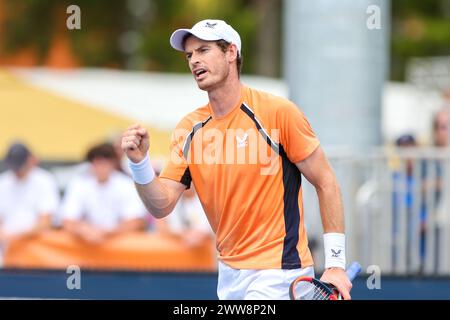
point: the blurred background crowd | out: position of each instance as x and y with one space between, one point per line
372 76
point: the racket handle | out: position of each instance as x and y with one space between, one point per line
353 270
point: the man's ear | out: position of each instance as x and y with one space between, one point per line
233 52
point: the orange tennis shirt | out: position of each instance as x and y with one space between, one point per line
243 169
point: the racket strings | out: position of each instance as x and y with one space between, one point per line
320 294
309 291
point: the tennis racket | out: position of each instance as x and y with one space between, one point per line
309 288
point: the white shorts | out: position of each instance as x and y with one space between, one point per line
250 284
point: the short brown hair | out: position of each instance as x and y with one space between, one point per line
224 45
103 151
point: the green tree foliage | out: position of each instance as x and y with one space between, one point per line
133 34
419 29
122 33
22 18
168 15
35 23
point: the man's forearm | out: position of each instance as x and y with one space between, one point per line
331 208
157 198
332 213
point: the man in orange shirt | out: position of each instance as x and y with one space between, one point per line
245 151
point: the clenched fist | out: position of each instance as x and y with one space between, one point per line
135 143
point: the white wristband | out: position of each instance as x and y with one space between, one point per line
334 246
142 172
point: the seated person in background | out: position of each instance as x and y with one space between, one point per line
188 220
406 183
102 202
28 195
441 123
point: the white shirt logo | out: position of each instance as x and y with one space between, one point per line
242 142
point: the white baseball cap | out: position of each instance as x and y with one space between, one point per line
208 30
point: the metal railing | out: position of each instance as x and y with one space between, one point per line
397 209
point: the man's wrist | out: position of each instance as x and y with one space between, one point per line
142 172
334 248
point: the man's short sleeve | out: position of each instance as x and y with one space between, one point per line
177 167
296 135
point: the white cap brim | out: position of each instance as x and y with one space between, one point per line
177 38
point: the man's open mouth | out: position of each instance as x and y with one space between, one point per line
199 72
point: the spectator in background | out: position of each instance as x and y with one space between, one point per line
188 221
28 195
440 128
102 202
446 95
403 197
440 140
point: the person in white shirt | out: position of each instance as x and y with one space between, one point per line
28 195
102 201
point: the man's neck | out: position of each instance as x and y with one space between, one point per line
225 98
